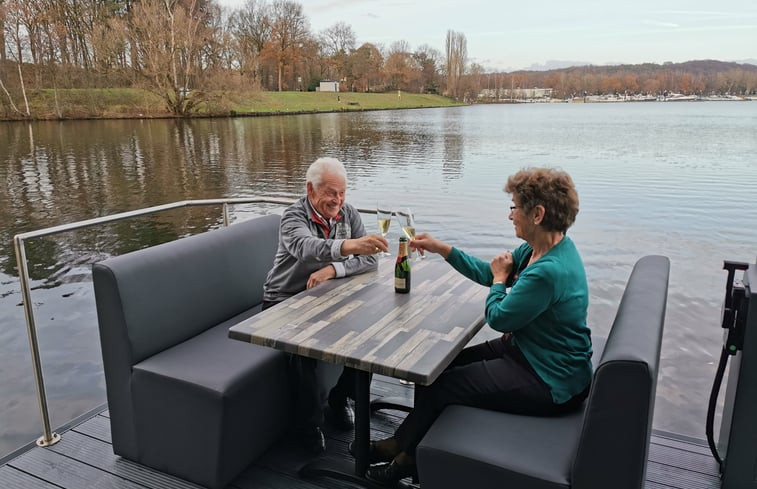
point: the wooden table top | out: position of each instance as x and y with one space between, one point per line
362 323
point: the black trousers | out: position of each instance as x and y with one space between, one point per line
491 375
308 409
306 389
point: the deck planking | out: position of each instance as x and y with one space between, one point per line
84 459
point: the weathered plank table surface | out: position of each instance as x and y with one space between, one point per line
360 322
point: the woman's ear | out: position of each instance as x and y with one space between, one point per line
539 212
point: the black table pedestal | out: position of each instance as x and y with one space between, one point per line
343 469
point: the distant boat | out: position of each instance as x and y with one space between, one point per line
677 97
724 98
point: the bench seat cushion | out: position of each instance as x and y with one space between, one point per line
509 450
206 391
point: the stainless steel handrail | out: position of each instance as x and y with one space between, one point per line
48 436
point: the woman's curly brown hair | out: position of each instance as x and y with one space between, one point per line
550 188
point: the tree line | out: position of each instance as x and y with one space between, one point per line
187 50
704 77
184 49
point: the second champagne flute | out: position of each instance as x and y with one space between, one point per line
408 226
384 219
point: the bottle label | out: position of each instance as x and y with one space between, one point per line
402 269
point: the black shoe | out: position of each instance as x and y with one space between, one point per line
313 440
342 417
391 473
373 456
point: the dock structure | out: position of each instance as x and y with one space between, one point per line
84 458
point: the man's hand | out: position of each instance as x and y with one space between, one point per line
326 273
369 244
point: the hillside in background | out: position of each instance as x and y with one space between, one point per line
698 67
554 64
699 77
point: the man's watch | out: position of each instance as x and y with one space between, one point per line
498 282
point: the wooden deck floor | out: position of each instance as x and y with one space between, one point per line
84 459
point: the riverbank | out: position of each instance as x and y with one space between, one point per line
129 103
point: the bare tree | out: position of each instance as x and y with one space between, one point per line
15 30
337 43
251 29
470 86
338 38
400 69
429 61
3 25
170 36
110 44
365 66
457 57
2 30
289 33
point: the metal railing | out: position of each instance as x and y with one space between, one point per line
48 436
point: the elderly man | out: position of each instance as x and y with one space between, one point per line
321 237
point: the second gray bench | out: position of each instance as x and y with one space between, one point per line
602 446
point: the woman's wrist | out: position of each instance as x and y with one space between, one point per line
445 250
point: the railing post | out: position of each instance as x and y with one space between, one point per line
225 214
48 437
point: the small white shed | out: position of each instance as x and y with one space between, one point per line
329 86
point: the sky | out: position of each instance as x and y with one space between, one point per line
506 35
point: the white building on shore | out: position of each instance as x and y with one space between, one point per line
328 86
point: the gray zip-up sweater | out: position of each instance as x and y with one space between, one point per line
303 249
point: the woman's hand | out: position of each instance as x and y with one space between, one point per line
425 242
501 266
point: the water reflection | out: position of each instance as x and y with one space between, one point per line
656 178
57 173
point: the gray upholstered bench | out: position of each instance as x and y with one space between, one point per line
183 397
602 446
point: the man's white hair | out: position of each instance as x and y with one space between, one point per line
320 167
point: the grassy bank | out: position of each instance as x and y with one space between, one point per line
136 103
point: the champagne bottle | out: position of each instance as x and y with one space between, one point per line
402 268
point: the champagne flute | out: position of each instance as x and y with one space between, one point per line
384 219
408 226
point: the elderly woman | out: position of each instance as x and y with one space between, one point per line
542 363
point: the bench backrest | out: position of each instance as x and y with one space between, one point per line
163 295
152 299
614 442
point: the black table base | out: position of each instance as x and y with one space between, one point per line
342 469
337 469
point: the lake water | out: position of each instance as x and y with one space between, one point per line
676 179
